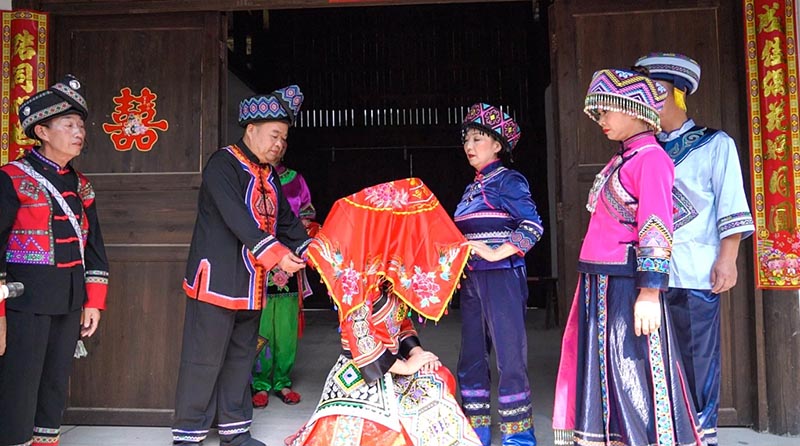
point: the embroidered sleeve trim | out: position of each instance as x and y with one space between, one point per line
263 244
525 236
652 264
96 276
301 250
735 223
269 252
653 254
654 233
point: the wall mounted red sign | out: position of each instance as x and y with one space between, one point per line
134 121
770 44
24 72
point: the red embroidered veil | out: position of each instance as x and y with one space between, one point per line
396 231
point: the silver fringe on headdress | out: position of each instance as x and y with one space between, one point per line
612 102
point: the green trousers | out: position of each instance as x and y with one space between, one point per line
279 326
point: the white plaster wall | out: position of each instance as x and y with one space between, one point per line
5 5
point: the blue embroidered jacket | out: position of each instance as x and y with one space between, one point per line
497 208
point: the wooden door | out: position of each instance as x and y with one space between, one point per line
587 35
146 198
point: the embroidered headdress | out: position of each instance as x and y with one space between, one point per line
626 92
681 71
411 242
280 105
498 123
63 98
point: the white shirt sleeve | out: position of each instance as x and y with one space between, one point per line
732 211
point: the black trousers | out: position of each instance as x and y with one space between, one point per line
34 375
219 346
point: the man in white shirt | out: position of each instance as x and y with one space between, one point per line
711 218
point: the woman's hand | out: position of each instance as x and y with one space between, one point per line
418 361
647 312
428 367
486 252
431 366
413 364
291 263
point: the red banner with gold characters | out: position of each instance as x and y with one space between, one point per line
24 74
771 47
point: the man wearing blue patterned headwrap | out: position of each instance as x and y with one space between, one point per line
244 228
711 217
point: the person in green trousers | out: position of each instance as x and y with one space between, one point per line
282 317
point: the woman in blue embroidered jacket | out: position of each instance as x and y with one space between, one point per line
498 217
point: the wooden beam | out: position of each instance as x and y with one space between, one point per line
103 7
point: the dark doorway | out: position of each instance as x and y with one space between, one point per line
386 89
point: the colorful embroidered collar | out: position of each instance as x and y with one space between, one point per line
46 161
635 141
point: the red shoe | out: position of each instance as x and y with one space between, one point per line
260 399
291 397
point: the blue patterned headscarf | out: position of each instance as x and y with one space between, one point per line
499 124
280 105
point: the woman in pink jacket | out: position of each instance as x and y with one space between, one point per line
619 381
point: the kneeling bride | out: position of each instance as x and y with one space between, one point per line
384 253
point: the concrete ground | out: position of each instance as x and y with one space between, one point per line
319 349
